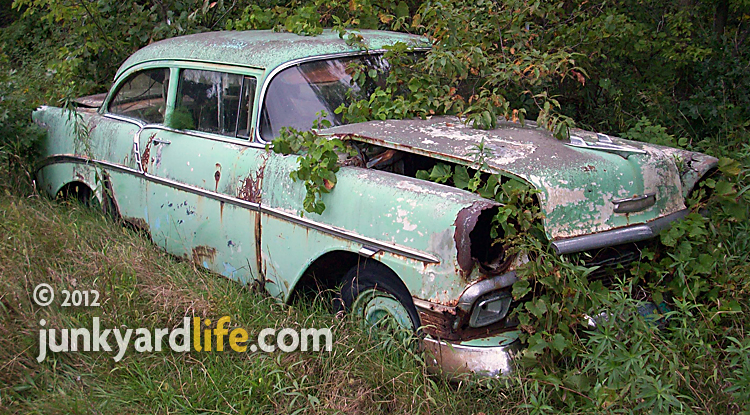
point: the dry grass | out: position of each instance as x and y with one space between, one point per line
70 247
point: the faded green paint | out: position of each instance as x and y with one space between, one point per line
229 204
262 49
398 210
214 234
578 185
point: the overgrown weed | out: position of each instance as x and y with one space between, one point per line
70 246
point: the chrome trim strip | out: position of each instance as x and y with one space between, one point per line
393 248
474 291
276 70
224 139
137 151
368 251
634 198
421 304
635 203
619 236
364 240
604 145
62 158
208 136
197 190
68 158
137 122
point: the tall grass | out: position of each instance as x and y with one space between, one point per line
697 362
72 247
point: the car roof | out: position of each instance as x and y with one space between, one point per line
263 49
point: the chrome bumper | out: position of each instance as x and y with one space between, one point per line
457 361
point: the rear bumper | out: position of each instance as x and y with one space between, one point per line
458 361
619 236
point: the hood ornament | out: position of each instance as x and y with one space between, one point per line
606 144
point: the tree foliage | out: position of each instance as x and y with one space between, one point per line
604 65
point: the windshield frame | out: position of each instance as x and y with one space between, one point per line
272 74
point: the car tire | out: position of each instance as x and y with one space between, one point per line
372 291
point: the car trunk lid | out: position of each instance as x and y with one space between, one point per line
592 184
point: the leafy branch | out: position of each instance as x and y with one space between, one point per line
317 161
519 212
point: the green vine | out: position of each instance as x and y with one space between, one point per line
82 139
317 161
519 212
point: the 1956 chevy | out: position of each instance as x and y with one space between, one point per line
179 148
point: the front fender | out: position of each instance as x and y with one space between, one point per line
696 165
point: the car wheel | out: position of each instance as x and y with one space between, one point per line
373 292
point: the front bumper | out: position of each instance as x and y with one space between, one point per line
473 358
493 356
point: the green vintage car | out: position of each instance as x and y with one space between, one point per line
179 148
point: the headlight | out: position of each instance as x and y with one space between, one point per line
490 308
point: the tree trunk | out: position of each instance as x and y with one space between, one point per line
720 17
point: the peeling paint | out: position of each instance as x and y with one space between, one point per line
577 184
261 48
251 188
146 155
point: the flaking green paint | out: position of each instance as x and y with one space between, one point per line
262 49
577 185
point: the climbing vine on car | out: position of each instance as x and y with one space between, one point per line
519 212
317 161
82 141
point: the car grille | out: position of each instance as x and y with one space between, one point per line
611 261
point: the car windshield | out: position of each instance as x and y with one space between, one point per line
296 94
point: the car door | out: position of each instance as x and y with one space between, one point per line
139 99
205 174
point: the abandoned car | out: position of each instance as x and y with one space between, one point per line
179 147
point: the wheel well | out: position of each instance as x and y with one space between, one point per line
373 274
81 192
325 273
76 190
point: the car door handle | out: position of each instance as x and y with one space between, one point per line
160 141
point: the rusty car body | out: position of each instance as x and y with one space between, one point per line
179 147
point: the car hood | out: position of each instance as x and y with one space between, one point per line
580 182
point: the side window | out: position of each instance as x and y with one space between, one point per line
143 96
214 102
